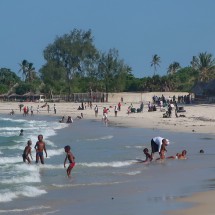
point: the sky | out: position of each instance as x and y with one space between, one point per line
138 29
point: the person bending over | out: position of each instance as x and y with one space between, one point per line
157 143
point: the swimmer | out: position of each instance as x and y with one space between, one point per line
201 151
21 132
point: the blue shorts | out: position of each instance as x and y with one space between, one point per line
40 154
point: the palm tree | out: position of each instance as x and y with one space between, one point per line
28 71
173 68
23 68
205 64
155 62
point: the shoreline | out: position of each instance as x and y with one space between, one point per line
199 119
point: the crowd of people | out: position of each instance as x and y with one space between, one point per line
30 110
158 144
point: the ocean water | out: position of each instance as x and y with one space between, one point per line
107 178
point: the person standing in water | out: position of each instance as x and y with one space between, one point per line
27 152
40 147
71 160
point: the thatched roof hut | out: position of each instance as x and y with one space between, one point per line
199 89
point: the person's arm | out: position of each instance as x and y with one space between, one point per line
35 146
30 154
45 149
65 161
148 158
159 146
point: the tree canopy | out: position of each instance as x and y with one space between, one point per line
73 64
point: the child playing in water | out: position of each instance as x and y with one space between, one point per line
162 153
71 160
181 156
26 152
148 156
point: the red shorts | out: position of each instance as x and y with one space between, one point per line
71 165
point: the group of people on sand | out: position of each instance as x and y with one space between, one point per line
40 147
30 110
159 144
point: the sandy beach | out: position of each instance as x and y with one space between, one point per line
199 118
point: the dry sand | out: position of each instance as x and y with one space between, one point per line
198 118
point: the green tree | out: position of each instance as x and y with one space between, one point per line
173 68
54 77
28 71
23 68
204 63
112 71
8 79
75 52
155 62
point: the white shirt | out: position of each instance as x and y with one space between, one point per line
158 141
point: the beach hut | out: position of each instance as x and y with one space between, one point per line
210 88
13 97
199 89
3 97
31 96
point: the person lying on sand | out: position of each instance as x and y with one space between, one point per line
44 105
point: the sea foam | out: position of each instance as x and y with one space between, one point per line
27 191
107 164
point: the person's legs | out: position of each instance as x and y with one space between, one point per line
28 159
154 147
24 157
69 169
37 157
42 159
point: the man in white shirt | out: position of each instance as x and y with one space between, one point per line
157 143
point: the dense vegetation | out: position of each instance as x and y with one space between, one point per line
73 64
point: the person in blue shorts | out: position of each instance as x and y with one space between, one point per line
40 147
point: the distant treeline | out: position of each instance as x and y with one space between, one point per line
75 65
